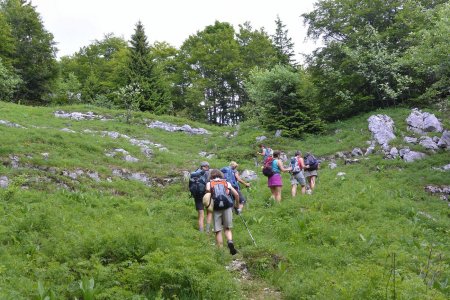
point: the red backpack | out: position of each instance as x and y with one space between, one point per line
267 169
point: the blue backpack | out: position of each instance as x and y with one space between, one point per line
295 166
229 176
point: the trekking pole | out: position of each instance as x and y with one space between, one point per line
245 223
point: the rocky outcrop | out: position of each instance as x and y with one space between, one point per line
206 154
382 128
410 156
123 153
443 168
10 124
422 122
442 191
428 143
78 116
171 128
357 152
444 141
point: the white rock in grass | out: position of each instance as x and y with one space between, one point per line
427 143
249 175
444 141
4 182
412 156
410 140
382 128
130 158
68 130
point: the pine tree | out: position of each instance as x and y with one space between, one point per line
140 64
143 73
283 43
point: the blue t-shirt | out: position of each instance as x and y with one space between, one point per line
275 167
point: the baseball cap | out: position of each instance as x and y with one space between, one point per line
204 164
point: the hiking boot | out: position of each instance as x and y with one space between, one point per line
233 250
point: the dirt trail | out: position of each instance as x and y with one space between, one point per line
252 288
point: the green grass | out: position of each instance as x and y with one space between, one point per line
120 239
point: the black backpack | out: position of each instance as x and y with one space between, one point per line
197 184
221 194
312 162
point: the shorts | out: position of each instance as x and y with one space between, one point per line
310 173
199 203
223 218
298 178
242 199
275 180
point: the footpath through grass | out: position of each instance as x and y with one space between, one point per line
373 233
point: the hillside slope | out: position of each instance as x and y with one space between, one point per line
99 209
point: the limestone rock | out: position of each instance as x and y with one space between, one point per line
427 143
421 122
248 175
4 182
382 128
444 141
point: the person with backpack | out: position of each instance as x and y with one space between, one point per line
311 167
232 176
221 192
275 182
197 186
265 152
297 176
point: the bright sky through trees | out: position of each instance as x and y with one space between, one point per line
78 23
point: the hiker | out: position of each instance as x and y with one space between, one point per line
311 167
201 177
265 152
297 176
232 176
220 190
275 182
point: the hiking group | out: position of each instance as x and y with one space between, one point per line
218 192
303 171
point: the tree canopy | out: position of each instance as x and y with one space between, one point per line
375 54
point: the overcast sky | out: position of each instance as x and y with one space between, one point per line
77 23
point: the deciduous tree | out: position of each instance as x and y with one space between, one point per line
34 52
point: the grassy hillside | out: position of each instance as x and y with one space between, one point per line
371 234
